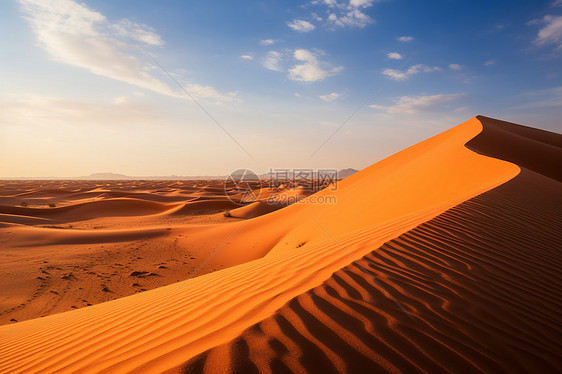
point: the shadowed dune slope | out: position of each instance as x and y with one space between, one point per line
162 329
481 288
534 149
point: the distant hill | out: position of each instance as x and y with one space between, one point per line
107 176
343 173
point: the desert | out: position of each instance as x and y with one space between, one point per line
275 187
462 272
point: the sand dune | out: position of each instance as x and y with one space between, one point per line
119 207
534 149
423 180
473 267
256 209
205 206
476 299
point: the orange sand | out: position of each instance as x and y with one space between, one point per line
479 284
272 259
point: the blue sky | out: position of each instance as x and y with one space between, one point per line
82 91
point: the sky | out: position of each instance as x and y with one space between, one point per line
148 88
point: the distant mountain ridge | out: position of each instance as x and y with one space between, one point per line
343 173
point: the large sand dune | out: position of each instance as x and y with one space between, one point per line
438 258
479 284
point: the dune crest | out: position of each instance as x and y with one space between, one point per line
423 180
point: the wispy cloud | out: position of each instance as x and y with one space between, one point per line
490 62
345 13
330 97
267 42
30 110
352 18
135 31
462 109
455 66
400 75
316 17
405 39
301 25
272 61
247 57
547 98
310 68
411 105
394 56
74 34
551 32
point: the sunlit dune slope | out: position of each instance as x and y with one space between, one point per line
254 209
305 244
422 181
480 286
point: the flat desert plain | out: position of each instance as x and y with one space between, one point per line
445 257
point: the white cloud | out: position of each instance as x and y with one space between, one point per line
330 97
349 14
208 92
141 33
455 67
411 105
267 42
247 57
352 18
361 3
551 33
316 17
301 25
32 110
120 100
405 39
556 3
394 56
310 68
489 62
73 34
534 22
400 75
341 13
272 61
